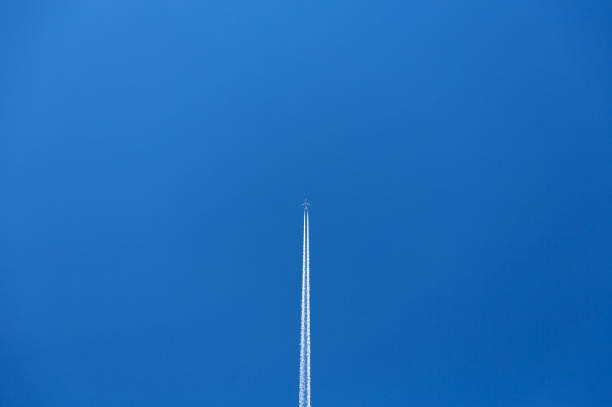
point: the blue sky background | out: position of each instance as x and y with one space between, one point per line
458 156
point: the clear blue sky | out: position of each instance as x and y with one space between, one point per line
458 156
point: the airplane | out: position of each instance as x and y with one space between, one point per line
305 204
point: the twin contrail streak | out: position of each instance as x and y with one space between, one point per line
303 324
304 398
307 311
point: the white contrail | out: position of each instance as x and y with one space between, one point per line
305 320
307 310
303 324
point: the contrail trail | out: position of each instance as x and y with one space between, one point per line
307 310
304 399
303 323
